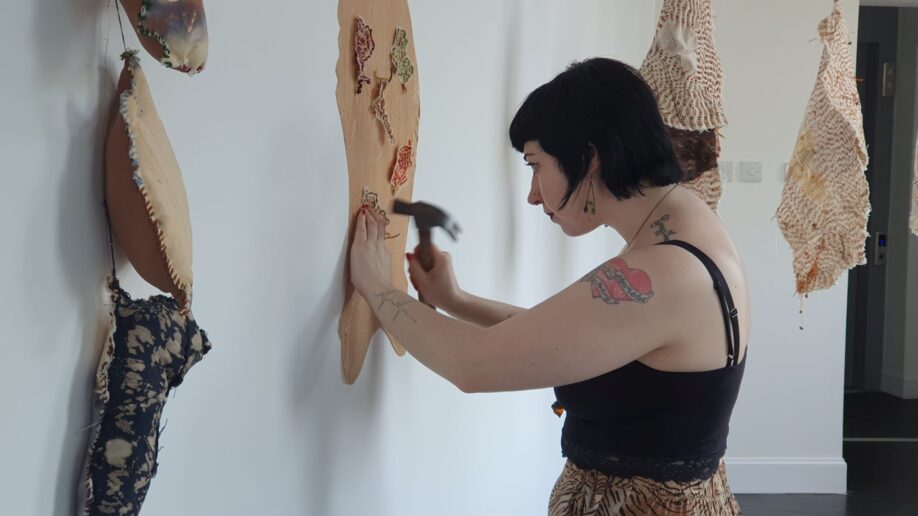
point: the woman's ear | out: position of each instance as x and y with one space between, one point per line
594 165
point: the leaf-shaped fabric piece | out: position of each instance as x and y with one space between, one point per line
825 202
404 160
144 188
363 50
683 67
174 32
707 186
404 69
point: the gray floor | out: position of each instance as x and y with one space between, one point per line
882 457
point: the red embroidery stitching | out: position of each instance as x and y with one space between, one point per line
404 159
363 49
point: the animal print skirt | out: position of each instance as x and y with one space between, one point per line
585 492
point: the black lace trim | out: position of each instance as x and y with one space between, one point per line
660 469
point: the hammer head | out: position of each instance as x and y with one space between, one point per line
427 216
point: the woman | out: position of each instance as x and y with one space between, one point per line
643 354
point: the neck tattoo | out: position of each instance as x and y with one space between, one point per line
661 228
655 206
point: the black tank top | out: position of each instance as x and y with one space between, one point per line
640 421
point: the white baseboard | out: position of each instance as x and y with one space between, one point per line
785 476
896 385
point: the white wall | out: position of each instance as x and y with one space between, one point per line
264 424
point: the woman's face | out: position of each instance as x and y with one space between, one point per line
548 188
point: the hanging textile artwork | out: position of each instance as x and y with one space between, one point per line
825 203
145 192
174 32
913 219
684 71
151 346
372 175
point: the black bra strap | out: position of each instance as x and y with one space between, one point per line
731 322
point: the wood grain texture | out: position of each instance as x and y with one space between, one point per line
370 156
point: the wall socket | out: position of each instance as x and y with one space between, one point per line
750 172
725 168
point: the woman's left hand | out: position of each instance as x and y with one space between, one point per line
370 260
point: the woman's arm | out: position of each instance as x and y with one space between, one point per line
439 287
611 317
481 311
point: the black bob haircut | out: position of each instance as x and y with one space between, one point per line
600 104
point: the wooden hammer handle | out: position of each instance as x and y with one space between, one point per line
424 256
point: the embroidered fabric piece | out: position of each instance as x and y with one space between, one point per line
404 69
404 159
580 492
708 187
913 220
363 49
173 31
696 151
825 203
683 68
148 352
371 200
378 105
139 158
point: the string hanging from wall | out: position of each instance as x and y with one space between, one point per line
825 202
684 71
380 138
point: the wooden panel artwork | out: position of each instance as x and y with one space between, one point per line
379 103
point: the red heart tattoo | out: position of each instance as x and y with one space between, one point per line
614 282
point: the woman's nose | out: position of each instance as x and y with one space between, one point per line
535 196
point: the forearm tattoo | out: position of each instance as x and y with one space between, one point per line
386 297
661 229
614 282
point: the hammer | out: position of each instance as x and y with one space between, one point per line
426 217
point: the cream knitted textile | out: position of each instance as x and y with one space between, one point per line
825 203
913 220
707 186
683 69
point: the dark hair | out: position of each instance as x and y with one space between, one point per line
599 104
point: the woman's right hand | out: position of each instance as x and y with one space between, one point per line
438 285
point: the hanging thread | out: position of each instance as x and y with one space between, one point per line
120 25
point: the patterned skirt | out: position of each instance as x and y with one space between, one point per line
585 492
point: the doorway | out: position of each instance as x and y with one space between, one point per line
880 422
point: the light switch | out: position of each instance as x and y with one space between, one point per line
750 171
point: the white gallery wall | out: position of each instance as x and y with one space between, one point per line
264 424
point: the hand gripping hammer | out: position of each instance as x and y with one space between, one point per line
426 217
